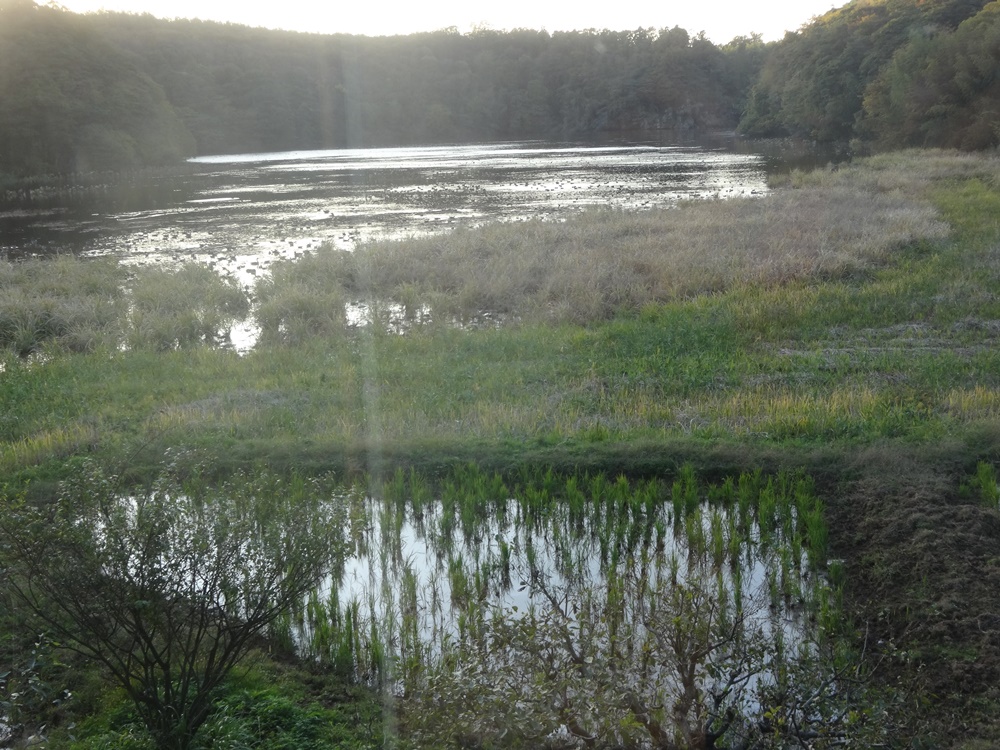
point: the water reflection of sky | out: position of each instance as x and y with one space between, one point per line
573 556
244 211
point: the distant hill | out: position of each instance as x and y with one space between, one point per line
119 91
73 101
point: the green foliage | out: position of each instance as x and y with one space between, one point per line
32 692
81 305
814 82
63 301
182 307
73 102
252 711
983 485
262 719
940 89
113 91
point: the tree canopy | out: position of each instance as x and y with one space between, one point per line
115 91
72 101
841 77
940 89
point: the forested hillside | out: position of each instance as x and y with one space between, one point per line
897 72
940 89
114 91
70 100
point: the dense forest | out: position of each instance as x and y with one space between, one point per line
113 91
893 72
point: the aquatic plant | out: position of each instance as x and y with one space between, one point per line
182 307
984 484
63 302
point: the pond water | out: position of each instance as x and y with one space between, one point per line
563 594
240 212
425 565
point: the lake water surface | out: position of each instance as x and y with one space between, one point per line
240 212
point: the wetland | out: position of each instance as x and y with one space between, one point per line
829 345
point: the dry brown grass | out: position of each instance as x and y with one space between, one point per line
603 262
910 172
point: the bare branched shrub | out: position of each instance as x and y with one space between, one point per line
688 673
167 589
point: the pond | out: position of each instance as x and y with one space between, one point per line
240 212
579 599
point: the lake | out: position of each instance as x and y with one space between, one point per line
240 212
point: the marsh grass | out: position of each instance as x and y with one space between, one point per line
57 443
298 301
64 300
70 304
603 263
179 307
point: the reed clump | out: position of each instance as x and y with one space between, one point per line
182 307
62 301
301 300
80 305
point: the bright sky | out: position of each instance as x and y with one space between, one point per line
721 20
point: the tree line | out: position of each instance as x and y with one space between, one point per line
119 90
114 91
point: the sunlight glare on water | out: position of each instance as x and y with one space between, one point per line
239 213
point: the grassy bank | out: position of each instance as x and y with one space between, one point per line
846 325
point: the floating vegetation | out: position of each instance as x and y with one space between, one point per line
585 611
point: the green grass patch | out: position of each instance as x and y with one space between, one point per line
271 705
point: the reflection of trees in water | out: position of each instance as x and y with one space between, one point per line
598 614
